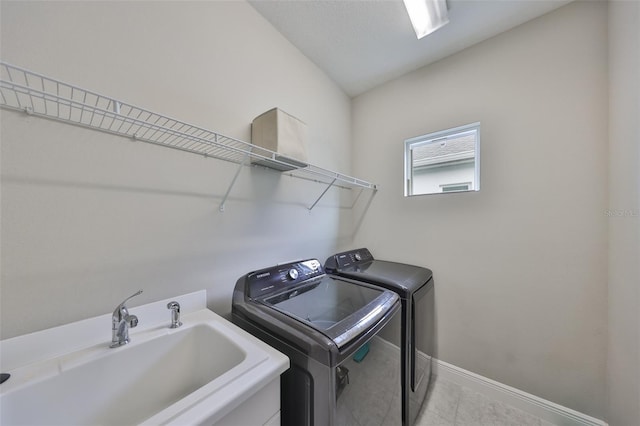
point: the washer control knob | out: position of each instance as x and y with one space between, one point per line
292 274
358 257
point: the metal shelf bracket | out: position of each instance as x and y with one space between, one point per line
233 182
357 197
323 192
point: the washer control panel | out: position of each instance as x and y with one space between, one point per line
282 277
347 259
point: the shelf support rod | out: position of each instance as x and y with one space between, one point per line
323 192
357 197
233 181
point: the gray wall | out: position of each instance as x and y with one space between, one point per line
624 214
89 218
521 266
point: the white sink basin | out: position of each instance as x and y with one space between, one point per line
193 374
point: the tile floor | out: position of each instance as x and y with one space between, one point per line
449 404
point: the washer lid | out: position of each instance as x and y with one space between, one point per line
339 309
391 275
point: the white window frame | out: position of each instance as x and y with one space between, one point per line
436 137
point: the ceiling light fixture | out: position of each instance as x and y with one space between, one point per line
427 15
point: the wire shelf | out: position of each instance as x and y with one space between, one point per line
38 95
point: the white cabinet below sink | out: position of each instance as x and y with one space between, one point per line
262 409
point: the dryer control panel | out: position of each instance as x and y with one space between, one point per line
282 277
347 259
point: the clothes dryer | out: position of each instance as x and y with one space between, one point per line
414 285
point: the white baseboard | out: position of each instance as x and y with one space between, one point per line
546 410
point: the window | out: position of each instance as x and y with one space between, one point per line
441 162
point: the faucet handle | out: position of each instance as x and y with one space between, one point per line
121 310
137 293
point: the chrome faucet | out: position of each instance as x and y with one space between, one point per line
174 307
120 323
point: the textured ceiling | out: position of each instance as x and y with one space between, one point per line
363 43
